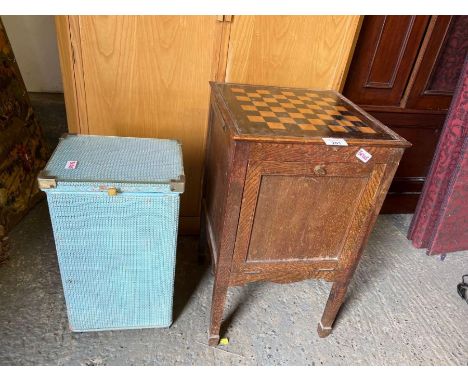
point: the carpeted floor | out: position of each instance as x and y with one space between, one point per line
402 309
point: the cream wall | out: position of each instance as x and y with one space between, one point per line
34 44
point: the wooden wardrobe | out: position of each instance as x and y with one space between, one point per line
404 72
148 76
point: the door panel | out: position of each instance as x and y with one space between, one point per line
283 212
324 207
441 61
302 51
147 76
402 72
423 131
385 54
449 62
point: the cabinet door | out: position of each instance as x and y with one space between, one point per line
302 51
385 53
304 214
144 76
439 64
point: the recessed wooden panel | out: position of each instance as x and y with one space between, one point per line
451 57
284 200
439 63
385 53
415 105
304 51
389 51
319 229
422 130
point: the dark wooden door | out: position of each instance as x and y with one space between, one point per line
384 57
302 214
404 72
441 60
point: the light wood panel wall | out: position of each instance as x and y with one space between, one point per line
147 76
302 51
144 77
68 72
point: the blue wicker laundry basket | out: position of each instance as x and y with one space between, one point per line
114 205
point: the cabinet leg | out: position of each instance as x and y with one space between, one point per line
217 309
335 300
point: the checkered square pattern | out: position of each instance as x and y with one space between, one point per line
283 111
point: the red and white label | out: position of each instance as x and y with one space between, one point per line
71 164
363 155
335 142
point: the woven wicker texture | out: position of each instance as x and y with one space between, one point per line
116 258
101 159
116 253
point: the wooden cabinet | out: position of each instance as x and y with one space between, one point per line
281 205
404 72
147 76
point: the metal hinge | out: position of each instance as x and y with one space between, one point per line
178 185
227 18
65 135
46 182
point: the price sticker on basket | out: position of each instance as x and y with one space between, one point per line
71 165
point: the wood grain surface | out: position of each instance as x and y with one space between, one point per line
67 66
147 76
289 211
270 232
436 64
305 51
383 60
401 73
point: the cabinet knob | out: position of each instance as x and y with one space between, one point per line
112 191
320 170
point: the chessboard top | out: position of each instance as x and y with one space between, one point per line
272 113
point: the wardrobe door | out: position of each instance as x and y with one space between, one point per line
384 58
144 76
439 66
403 72
302 51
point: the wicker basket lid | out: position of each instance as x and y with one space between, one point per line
97 163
